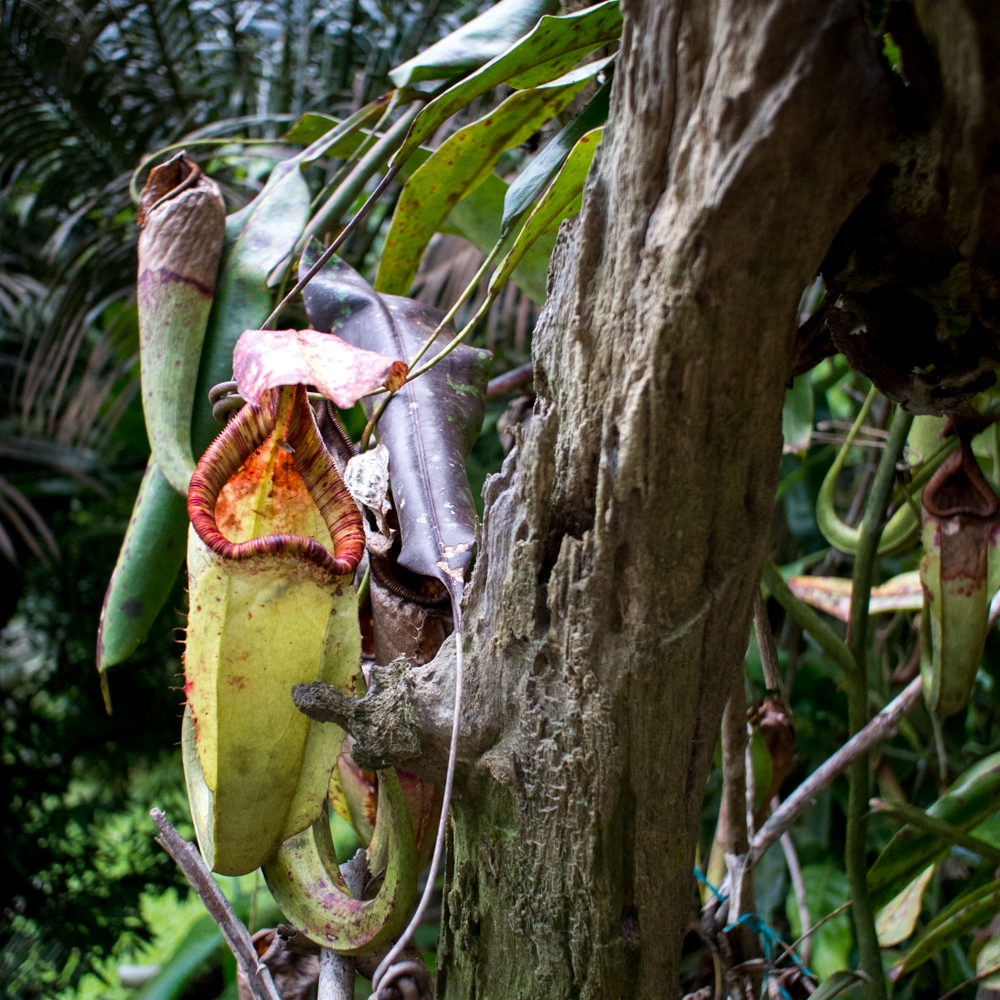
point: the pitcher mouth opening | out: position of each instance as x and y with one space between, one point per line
300 437
959 487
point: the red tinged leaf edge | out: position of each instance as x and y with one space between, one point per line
246 432
264 359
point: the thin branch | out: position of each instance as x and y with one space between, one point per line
905 813
509 381
189 861
798 885
882 727
329 214
765 643
819 923
985 974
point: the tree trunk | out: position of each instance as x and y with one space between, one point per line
609 610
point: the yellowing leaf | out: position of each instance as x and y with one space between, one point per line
832 594
897 919
989 958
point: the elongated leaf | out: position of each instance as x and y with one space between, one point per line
477 42
150 558
258 238
463 162
832 594
266 359
535 177
555 46
561 200
199 944
898 918
834 985
797 415
964 915
477 218
972 798
342 138
429 426
310 127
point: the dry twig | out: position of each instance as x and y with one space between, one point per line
880 728
189 861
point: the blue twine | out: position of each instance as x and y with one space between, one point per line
701 878
758 926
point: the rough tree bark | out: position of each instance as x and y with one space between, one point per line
609 609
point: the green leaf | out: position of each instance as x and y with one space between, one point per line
836 983
561 200
258 239
475 43
461 163
200 943
555 46
324 135
797 415
477 218
964 915
826 889
898 918
989 958
530 183
310 127
972 798
150 558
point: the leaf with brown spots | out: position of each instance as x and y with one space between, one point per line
266 359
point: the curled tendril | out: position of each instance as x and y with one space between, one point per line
903 529
225 401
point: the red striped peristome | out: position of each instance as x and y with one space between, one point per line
246 432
